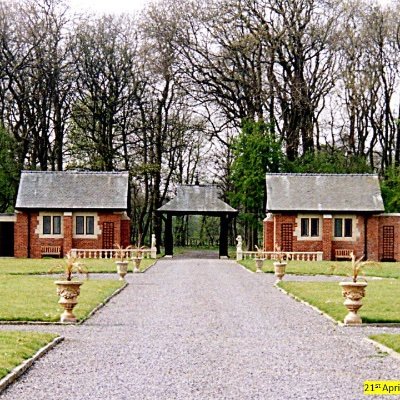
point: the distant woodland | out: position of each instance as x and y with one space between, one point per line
224 90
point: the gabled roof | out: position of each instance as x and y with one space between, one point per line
197 199
324 193
69 190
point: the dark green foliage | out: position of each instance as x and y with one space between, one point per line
256 151
329 161
9 172
390 187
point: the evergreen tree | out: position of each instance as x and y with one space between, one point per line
9 172
256 151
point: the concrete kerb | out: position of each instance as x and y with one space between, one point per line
384 348
22 368
310 305
101 305
96 309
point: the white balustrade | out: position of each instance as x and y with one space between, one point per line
111 253
289 255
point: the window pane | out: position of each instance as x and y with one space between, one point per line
46 225
338 227
80 221
304 227
56 225
348 227
89 225
314 227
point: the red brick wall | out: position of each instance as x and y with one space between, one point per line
67 241
388 220
121 230
327 245
327 238
268 234
125 232
21 235
357 245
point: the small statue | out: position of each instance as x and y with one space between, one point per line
239 243
153 241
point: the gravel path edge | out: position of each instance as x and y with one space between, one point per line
22 368
384 348
101 305
310 305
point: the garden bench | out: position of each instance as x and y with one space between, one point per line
343 254
50 251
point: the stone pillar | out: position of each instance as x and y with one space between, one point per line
327 237
169 238
268 233
68 233
223 237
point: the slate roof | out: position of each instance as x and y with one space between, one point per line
69 190
201 199
324 193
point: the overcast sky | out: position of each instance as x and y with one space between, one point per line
108 6
117 6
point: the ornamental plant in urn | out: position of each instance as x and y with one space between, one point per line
138 257
354 291
67 289
122 262
279 264
259 260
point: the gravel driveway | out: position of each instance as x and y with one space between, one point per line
204 329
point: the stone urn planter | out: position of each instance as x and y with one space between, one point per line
279 270
68 292
122 263
122 269
136 263
67 289
353 292
259 264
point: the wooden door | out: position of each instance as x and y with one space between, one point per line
388 243
287 237
108 235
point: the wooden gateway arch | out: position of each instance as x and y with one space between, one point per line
197 200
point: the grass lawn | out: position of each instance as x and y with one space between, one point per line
381 303
384 269
389 340
15 347
36 298
43 265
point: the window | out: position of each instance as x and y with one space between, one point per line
47 225
51 225
84 225
80 224
310 227
57 225
89 225
343 227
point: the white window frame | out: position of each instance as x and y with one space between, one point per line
96 231
40 226
297 231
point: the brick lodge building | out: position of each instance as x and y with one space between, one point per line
332 214
70 210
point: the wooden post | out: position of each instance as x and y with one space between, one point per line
169 239
223 236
